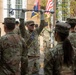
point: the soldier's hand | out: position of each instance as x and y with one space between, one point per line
22 15
42 14
41 11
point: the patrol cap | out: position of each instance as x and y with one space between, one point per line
71 20
62 27
9 20
29 22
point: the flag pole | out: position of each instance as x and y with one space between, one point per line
54 18
52 27
52 23
54 15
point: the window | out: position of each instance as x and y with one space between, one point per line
8 6
18 5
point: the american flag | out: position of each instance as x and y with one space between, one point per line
49 5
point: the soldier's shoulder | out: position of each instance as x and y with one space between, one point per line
57 49
3 37
72 35
52 53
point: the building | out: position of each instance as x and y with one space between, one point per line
60 14
5 5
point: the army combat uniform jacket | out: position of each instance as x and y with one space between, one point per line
33 51
72 38
17 30
11 48
53 61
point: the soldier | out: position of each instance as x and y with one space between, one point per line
72 36
33 47
17 30
58 61
11 48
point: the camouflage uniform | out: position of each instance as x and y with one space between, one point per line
33 51
72 36
11 48
17 30
31 39
53 61
46 38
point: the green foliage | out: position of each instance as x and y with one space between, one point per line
62 6
73 8
43 4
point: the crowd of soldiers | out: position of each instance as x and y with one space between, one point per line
20 53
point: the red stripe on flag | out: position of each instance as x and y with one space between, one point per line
49 5
50 8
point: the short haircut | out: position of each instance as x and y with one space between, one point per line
10 26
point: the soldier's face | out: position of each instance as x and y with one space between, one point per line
30 27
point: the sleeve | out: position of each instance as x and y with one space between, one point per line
24 60
42 25
22 28
48 64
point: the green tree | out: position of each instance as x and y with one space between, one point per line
43 4
62 6
73 8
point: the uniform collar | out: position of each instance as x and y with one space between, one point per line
10 32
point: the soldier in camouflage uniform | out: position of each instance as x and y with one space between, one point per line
11 48
58 61
33 47
72 34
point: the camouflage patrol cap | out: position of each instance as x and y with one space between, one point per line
62 27
9 20
71 20
29 22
